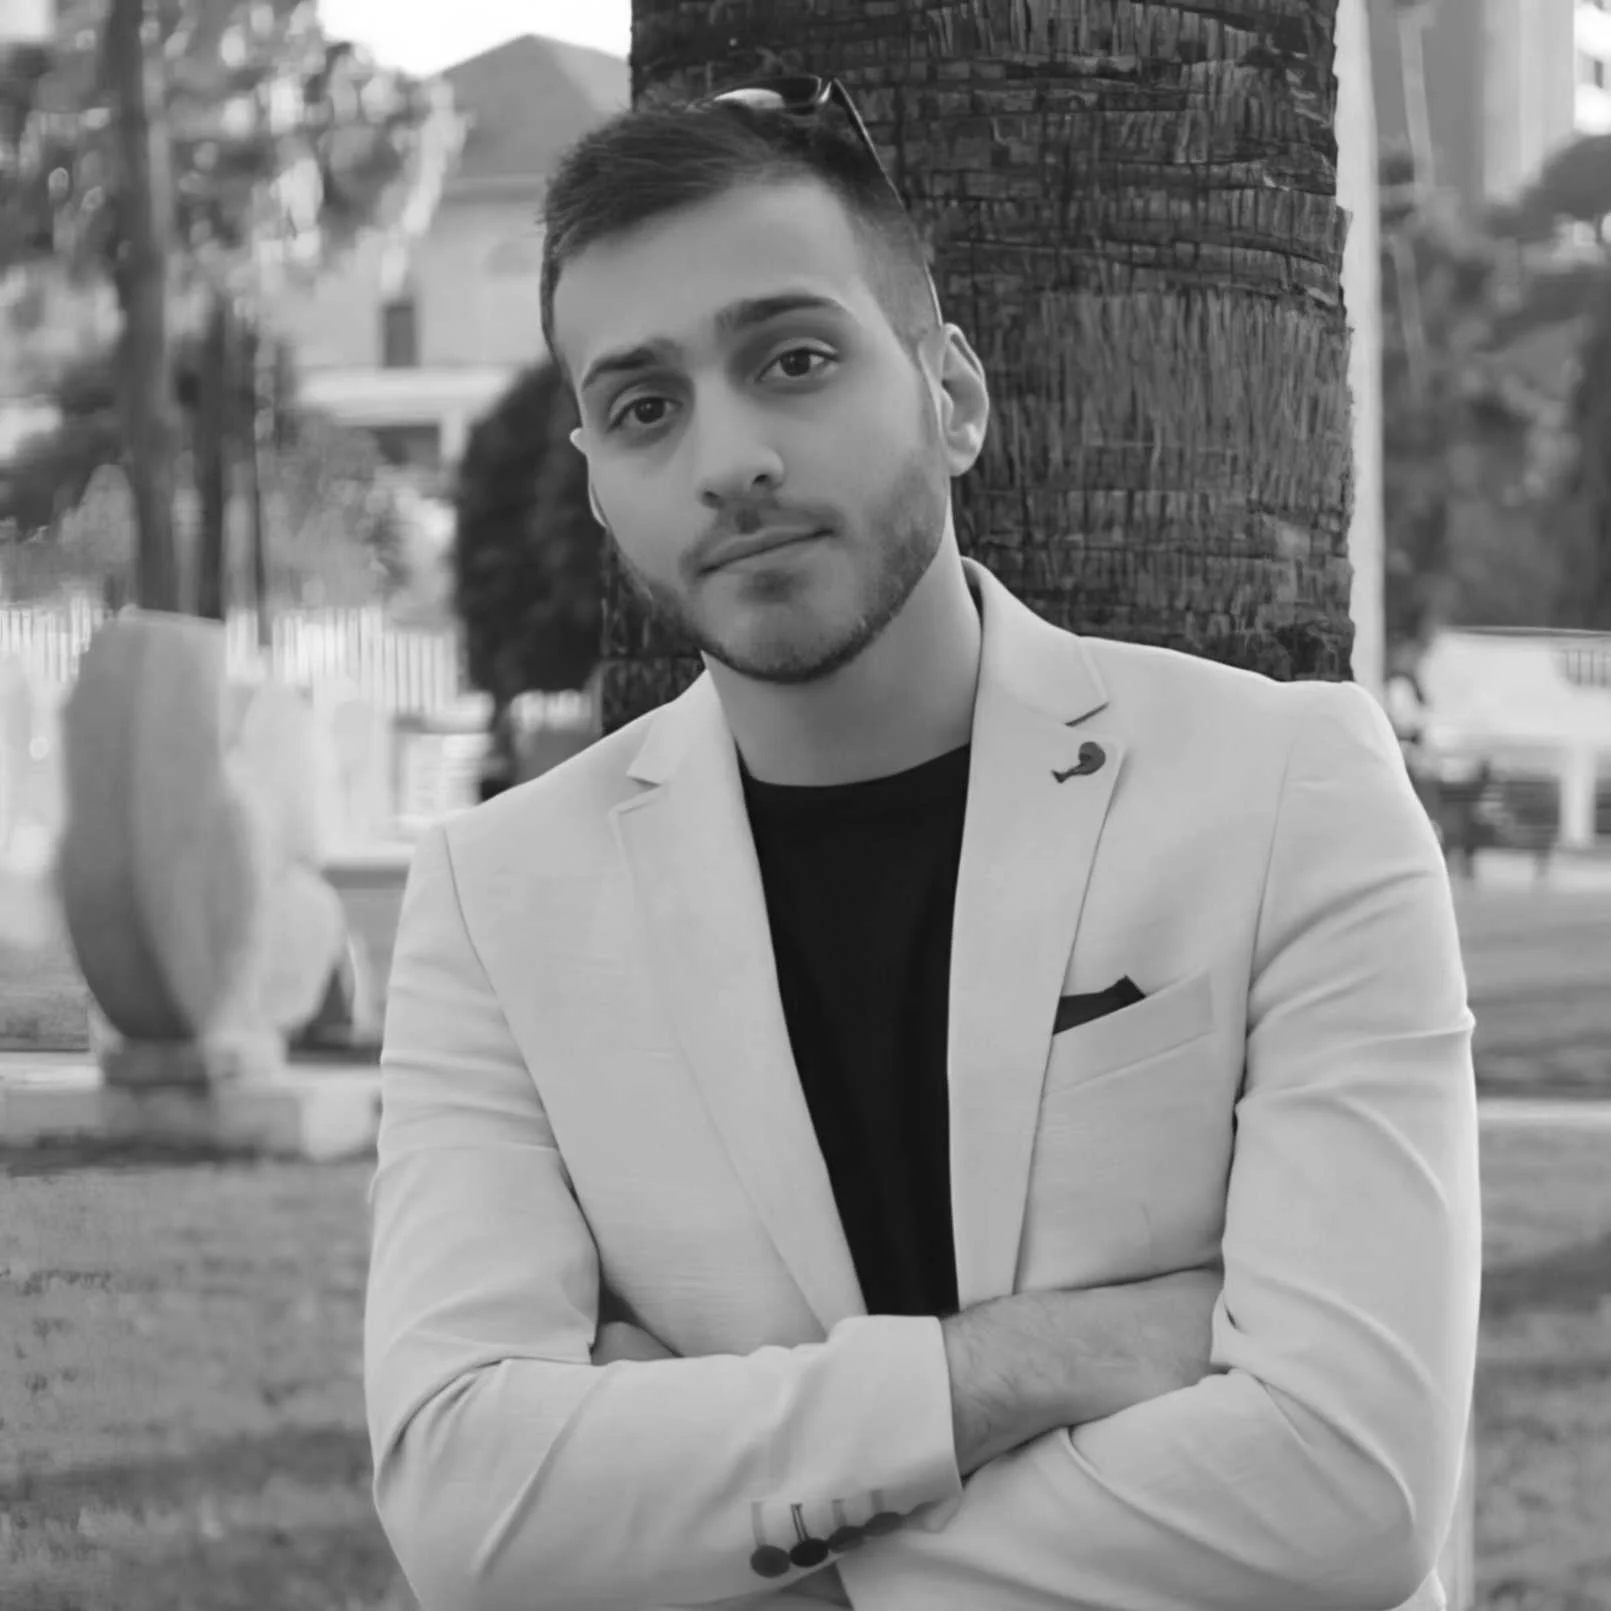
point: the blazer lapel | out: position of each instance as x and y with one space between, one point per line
1040 784
688 846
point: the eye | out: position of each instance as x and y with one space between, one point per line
798 353
628 416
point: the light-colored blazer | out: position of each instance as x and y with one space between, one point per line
589 1097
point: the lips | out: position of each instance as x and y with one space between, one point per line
762 542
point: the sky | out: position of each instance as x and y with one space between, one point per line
424 36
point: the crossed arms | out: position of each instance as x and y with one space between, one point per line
1316 1462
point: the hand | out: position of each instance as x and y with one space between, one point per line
617 1340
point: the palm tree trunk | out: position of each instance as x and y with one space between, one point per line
1135 219
145 210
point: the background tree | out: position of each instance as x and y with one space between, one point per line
140 264
1459 425
1496 391
1573 187
286 145
1585 502
51 470
337 529
1138 228
527 552
1572 198
91 550
336 519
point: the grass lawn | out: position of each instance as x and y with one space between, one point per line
183 1425
1538 965
182 1429
44 1003
1544 1376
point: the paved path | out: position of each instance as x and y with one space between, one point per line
30 1064
1506 1112
67 1070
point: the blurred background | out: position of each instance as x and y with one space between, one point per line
270 360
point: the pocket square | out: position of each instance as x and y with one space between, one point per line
1073 1011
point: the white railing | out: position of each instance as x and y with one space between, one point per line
1534 704
46 640
405 671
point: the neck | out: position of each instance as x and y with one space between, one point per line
906 700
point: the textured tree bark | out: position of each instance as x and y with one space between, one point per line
145 212
1133 207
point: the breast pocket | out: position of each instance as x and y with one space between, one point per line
1157 1024
1132 1149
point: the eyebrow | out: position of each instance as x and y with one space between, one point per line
730 321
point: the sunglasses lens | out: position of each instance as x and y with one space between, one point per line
787 94
767 100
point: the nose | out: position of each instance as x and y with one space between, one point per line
734 459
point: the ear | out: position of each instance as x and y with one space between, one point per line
964 401
592 496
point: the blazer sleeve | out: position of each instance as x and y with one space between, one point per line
510 1473
1319 1466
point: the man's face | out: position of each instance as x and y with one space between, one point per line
804 417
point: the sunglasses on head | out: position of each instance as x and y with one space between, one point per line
805 95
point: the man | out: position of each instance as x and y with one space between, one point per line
946 1114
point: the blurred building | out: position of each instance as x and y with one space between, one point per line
1485 91
414 343
1593 97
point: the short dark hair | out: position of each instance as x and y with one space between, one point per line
656 159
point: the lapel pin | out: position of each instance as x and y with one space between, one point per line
1091 759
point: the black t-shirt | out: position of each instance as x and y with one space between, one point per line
860 883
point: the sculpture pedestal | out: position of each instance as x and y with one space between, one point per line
191 1065
318 1114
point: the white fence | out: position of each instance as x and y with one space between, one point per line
405 671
